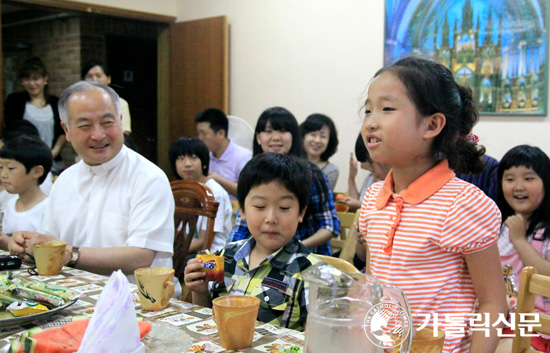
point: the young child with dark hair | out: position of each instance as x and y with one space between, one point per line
428 232
25 162
273 193
189 160
523 177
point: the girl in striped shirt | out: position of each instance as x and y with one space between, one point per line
428 232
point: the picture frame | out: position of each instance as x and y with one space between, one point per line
498 48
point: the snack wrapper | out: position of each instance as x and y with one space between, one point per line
214 266
64 293
25 308
34 295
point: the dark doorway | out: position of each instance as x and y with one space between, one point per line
133 66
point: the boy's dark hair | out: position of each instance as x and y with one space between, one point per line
188 146
315 122
534 158
33 66
217 119
90 64
293 172
280 120
361 151
18 128
31 152
433 89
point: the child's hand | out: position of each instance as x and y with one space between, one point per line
353 204
16 245
517 227
352 167
357 233
195 280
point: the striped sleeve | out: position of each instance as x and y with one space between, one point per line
472 224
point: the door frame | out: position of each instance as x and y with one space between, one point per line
163 54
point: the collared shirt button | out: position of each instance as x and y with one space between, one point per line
266 299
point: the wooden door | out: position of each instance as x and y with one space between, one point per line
198 72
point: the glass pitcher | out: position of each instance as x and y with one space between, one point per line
348 310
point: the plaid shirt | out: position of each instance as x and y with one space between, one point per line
321 215
277 281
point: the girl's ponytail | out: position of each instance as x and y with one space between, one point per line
465 155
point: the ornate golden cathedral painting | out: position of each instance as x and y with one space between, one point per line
497 47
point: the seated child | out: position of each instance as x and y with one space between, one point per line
523 178
273 193
189 160
24 164
377 172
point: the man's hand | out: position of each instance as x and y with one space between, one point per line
21 244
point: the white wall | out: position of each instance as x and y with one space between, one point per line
318 56
158 7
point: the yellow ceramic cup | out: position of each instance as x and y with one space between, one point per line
49 256
155 287
235 317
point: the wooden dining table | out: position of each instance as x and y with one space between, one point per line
194 320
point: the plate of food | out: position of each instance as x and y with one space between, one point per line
24 301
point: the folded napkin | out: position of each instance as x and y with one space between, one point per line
113 327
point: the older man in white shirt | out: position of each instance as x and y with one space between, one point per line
114 208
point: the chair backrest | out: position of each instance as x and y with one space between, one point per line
234 208
531 284
345 242
340 264
192 199
348 250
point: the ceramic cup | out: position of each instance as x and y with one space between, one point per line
49 256
235 317
155 287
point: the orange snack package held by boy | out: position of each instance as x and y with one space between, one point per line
214 266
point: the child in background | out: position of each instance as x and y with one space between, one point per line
428 232
320 143
277 131
377 172
273 192
24 164
523 177
189 160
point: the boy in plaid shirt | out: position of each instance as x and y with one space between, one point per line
273 193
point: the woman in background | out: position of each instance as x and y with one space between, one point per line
38 107
277 131
320 140
97 71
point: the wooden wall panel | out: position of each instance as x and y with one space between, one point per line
198 72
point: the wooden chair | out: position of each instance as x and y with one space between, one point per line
234 208
531 284
345 242
340 264
193 199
